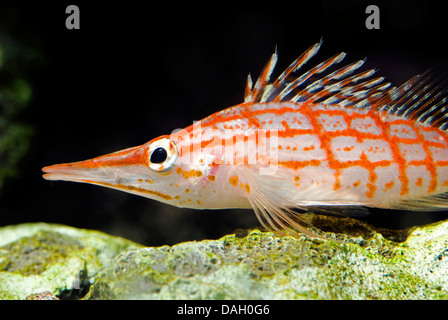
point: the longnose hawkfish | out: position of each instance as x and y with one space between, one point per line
329 138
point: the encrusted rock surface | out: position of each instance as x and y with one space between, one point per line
37 258
360 263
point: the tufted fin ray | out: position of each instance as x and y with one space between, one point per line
316 85
424 98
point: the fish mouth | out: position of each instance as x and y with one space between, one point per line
105 169
120 170
77 172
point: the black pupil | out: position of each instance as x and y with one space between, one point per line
158 155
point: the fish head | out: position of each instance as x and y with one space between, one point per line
153 170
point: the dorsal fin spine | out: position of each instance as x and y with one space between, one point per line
248 91
264 77
299 62
423 98
316 70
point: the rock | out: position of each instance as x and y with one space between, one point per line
42 296
262 265
41 261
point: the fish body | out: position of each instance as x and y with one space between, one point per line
328 139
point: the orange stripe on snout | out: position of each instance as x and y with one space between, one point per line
132 188
131 156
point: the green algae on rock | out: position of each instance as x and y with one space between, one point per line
265 266
42 261
39 257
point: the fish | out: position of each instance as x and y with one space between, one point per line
333 139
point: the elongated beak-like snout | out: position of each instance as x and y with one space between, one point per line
104 170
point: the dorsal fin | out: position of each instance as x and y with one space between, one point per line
424 98
338 87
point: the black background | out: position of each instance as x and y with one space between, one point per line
136 70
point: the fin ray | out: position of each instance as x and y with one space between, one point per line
315 85
423 98
435 202
277 208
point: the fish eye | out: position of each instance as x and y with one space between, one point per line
158 155
161 154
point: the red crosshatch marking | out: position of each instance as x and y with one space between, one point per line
330 123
